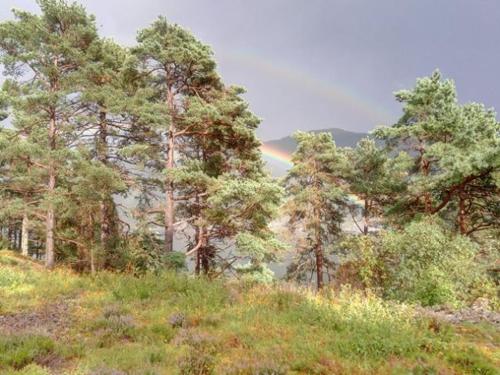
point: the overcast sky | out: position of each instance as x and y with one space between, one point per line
312 64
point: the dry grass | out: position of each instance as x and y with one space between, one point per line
175 324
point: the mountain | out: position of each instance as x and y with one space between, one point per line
286 146
343 138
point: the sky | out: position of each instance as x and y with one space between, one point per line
315 64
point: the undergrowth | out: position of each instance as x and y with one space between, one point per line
175 324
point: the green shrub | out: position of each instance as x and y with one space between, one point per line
431 265
423 263
199 357
175 260
472 362
19 351
364 263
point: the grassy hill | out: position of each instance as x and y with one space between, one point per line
60 322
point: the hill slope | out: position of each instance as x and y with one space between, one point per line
287 145
343 138
63 323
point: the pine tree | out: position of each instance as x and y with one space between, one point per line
106 126
455 153
43 54
231 198
375 178
177 66
317 200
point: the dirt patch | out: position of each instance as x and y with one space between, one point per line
53 320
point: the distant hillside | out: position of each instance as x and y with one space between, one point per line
343 138
286 145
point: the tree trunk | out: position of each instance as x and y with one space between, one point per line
365 217
319 266
50 225
169 186
102 155
169 197
90 237
199 255
25 235
50 221
462 224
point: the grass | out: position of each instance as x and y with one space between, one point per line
175 324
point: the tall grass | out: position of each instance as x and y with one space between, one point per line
177 324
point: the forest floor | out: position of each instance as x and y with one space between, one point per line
60 322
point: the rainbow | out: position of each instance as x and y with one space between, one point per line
285 158
335 93
276 154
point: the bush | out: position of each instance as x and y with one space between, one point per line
19 351
114 325
255 273
423 263
200 355
364 263
432 265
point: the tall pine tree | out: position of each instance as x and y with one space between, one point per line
42 55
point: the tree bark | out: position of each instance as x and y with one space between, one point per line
50 221
25 235
90 236
102 155
169 186
365 217
427 196
462 215
319 266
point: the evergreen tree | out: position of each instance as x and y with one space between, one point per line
231 198
374 177
317 200
455 154
106 126
43 55
176 66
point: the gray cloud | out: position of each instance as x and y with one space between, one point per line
317 63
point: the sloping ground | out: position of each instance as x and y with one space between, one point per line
64 323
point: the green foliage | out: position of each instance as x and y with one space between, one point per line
175 260
433 266
255 273
121 323
455 156
317 201
424 263
471 361
19 351
364 263
375 178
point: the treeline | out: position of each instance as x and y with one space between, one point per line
89 121
427 201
